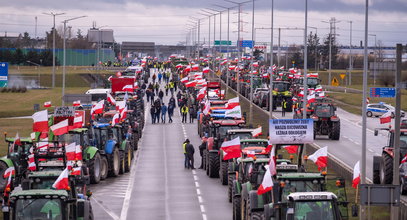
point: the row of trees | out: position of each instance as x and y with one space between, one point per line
17 57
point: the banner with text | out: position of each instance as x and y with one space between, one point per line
291 131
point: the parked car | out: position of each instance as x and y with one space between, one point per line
379 109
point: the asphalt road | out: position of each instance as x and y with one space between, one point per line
158 186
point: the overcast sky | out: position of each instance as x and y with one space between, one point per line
165 21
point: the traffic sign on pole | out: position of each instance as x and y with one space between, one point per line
246 43
3 74
224 42
377 92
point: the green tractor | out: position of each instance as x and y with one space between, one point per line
17 159
281 91
126 147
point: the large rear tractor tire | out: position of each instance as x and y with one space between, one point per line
3 181
122 161
257 216
104 168
213 165
127 160
223 172
95 169
386 169
236 208
336 130
115 163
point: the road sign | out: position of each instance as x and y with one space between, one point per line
377 92
291 131
224 42
335 82
246 43
342 75
3 74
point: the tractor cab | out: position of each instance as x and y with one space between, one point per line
294 161
255 147
326 122
219 128
241 133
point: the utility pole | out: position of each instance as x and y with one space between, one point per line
53 45
271 61
305 100
332 26
350 54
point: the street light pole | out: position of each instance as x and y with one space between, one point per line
64 57
350 54
375 54
271 61
53 45
305 101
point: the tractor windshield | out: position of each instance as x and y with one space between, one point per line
100 137
70 138
324 111
300 186
253 144
312 82
19 149
314 210
222 130
38 209
241 135
280 87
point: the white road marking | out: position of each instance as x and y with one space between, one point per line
114 216
204 217
202 208
194 172
200 199
195 178
198 191
196 184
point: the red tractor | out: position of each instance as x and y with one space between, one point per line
326 122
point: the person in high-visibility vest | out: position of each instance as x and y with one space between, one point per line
283 107
184 112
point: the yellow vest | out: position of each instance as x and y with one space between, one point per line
184 109
184 146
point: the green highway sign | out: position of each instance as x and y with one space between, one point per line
224 42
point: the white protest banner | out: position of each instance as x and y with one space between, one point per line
291 131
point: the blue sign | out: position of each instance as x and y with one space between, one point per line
382 92
3 74
246 43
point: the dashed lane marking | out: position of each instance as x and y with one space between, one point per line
108 211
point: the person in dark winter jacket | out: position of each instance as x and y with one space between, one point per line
190 153
171 107
163 112
152 113
202 147
161 94
192 114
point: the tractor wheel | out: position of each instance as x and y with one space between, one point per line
95 168
115 163
207 163
104 168
223 172
231 177
376 176
243 209
122 161
386 169
236 208
127 160
257 216
336 131
213 165
3 181
91 217
403 186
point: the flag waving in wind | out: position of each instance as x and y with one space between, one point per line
40 121
60 128
231 149
62 182
256 132
356 175
320 157
236 112
267 183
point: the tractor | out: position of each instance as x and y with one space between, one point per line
281 91
326 122
125 145
383 165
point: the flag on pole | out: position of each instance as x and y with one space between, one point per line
98 108
291 149
385 118
356 175
47 104
267 183
111 99
257 132
62 181
76 103
60 128
236 112
40 121
231 149
232 103
320 157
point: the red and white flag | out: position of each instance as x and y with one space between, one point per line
7 189
187 68
223 62
356 175
235 112
62 182
321 94
43 145
9 172
60 128
78 152
404 159
115 119
318 88
320 157
201 93
70 151
16 142
40 121
206 70
111 99
31 163
291 149
311 98
269 146
77 122
207 108
256 64
47 104
232 67
312 75
385 118
267 183
76 171
293 71
76 103
282 68
128 88
195 67
272 163
231 149
120 105
185 80
257 132
98 108
233 103
123 114
190 84
178 66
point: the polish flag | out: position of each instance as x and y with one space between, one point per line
185 80
32 135
60 128
47 104
291 149
282 68
301 94
256 64
76 103
265 75
201 93
70 151
267 183
111 99
78 152
272 163
178 66
320 157
321 94
206 70
404 159
43 145
291 76
123 114
356 175
77 122
40 121
31 163
311 98
115 119
187 68
198 77
237 68
207 108
312 75
7 189
195 67
16 142
233 103
76 171
190 84
98 108
62 181
269 146
232 67
231 149
274 67
293 71
9 172
318 88
251 153
198 74
385 118
254 72
257 132
128 88
223 62
235 112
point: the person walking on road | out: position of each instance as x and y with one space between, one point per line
192 114
157 105
184 147
190 153
163 112
154 77
202 147
152 94
161 94
152 113
179 98
160 75
170 111
184 112
283 107
156 87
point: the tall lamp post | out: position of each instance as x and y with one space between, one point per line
64 57
305 100
53 45
350 55
375 54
